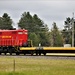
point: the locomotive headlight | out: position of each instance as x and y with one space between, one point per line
6 36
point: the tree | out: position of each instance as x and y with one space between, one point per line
56 36
35 38
41 29
26 21
67 31
31 23
37 23
5 22
34 25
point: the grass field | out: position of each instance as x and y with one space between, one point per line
36 66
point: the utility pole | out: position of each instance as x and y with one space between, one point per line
73 31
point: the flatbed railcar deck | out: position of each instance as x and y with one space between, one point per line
47 48
44 50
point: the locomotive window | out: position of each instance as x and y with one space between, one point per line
26 33
20 32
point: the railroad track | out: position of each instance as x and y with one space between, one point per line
48 54
54 57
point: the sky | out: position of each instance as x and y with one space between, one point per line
47 10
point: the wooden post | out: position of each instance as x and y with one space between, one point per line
14 65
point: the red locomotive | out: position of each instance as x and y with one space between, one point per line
13 39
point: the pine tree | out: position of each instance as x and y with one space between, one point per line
56 37
26 21
34 25
5 22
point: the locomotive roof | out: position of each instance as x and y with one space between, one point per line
13 30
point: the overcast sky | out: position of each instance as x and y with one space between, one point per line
48 10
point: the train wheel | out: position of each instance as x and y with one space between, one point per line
24 53
44 54
32 53
17 53
5 53
39 53
10 53
36 53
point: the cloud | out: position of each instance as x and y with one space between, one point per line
48 10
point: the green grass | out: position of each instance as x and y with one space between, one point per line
36 66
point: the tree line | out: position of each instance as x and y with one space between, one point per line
38 31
